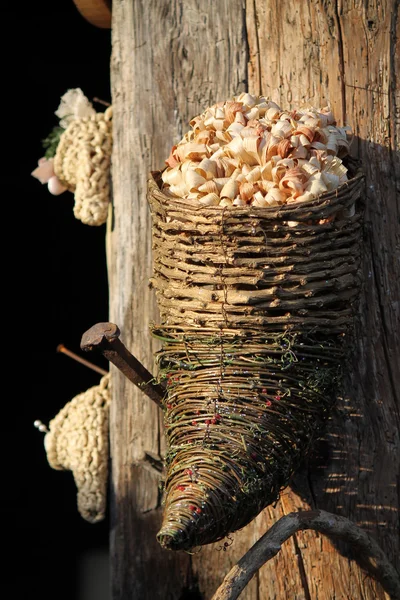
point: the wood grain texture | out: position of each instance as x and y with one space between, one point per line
344 54
170 60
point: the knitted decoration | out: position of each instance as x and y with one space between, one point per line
78 157
77 441
82 164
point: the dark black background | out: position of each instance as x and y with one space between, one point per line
55 290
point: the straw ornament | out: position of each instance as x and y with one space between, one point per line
256 293
77 440
79 157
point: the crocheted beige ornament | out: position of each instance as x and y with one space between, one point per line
78 441
82 163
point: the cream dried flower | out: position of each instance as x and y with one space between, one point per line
249 151
74 105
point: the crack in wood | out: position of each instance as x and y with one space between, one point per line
341 61
302 569
385 332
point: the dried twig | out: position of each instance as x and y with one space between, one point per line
100 101
61 348
371 555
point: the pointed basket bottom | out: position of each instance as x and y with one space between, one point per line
242 412
256 317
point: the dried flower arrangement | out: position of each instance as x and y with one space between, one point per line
78 157
248 151
256 239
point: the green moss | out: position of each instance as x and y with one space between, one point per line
50 143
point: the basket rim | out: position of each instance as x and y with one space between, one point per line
327 198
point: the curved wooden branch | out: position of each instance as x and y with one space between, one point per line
371 556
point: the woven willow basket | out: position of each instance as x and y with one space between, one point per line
255 321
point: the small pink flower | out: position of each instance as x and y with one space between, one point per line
44 171
45 174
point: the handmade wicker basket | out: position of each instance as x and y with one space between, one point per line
256 317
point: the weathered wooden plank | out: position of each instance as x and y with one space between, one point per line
344 54
170 60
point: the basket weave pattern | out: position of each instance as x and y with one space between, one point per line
253 317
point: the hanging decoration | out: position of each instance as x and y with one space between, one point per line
77 440
78 157
256 241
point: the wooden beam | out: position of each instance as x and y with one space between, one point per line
170 61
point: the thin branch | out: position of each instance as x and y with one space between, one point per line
100 101
61 348
370 554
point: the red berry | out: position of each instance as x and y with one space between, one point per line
194 423
169 405
208 421
181 488
192 507
277 397
198 510
268 403
264 390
